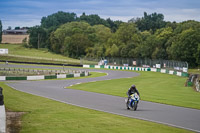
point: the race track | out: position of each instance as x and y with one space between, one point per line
54 89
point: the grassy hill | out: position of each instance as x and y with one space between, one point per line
19 53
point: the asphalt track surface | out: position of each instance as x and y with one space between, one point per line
180 117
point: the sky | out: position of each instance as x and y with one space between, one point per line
24 13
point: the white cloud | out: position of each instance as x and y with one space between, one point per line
29 12
180 15
20 23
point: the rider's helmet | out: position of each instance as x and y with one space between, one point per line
133 87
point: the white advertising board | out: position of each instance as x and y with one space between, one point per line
3 51
158 66
185 69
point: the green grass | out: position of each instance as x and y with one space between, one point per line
30 54
48 116
155 87
59 66
194 71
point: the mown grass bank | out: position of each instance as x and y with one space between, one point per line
194 71
155 87
19 53
48 116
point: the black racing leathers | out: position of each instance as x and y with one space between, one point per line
132 91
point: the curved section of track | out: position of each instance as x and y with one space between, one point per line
54 89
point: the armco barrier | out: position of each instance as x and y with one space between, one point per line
153 69
2 77
50 77
16 78
172 72
61 76
2 113
184 74
179 73
70 75
163 71
86 66
2 119
35 77
40 77
82 74
96 66
77 75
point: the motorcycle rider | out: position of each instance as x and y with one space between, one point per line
131 91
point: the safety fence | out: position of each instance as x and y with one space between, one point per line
41 77
172 72
131 62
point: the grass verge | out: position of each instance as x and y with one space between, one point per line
19 53
155 87
194 71
41 67
47 116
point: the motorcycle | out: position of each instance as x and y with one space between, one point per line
133 101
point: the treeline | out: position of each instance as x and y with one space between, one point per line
91 36
0 31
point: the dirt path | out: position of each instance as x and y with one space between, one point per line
13 121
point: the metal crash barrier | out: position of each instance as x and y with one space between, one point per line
2 113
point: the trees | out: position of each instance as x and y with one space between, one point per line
127 38
40 35
102 32
100 38
186 47
57 19
148 45
113 25
17 28
92 36
93 19
152 22
72 39
124 33
185 43
37 37
162 43
0 31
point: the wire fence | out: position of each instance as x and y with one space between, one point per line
154 63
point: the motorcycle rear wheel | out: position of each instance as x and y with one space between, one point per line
127 105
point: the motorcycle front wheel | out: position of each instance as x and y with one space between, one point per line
135 106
